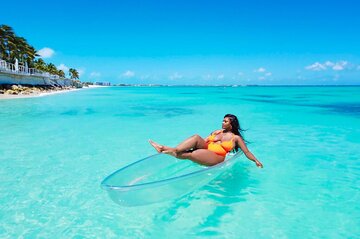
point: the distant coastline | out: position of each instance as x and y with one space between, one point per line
235 85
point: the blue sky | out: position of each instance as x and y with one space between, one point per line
195 42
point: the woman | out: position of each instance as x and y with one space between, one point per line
213 149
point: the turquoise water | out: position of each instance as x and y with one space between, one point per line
55 151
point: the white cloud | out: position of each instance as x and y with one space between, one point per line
95 74
336 66
358 68
268 74
46 52
128 74
316 67
175 76
261 69
339 66
329 63
261 78
63 67
240 73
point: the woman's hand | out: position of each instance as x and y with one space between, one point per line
258 164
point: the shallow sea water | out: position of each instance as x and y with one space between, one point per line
56 150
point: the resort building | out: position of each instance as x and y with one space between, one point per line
102 83
18 74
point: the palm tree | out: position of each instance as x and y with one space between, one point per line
31 54
7 44
12 46
61 73
40 64
24 52
51 68
2 42
73 73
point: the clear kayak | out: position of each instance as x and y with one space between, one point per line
159 178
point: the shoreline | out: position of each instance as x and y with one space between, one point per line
46 93
34 95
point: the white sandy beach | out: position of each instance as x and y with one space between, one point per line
7 96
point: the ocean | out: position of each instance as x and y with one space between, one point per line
55 151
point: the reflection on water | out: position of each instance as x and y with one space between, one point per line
228 189
220 196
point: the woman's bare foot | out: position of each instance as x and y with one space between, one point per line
157 146
171 152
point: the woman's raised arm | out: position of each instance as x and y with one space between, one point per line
239 141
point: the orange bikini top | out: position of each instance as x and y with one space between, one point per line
226 145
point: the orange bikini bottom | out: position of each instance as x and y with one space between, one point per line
217 148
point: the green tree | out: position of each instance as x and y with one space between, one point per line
40 64
61 73
2 42
73 73
51 68
12 46
7 42
23 51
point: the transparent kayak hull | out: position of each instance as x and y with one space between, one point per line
159 178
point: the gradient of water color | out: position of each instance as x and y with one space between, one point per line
55 150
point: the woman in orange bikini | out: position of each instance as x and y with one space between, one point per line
213 149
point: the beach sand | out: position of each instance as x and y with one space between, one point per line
7 96
50 92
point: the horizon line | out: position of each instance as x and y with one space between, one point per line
235 85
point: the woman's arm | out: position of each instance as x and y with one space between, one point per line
248 154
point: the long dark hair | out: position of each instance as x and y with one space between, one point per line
235 128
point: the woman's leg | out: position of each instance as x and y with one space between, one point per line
160 148
202 156
194 142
